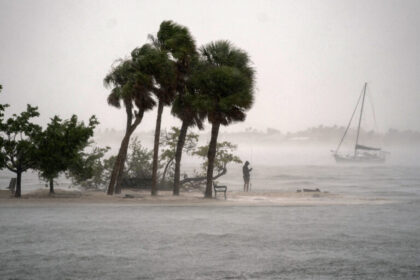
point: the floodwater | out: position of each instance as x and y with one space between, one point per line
103 241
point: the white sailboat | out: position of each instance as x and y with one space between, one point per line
362 153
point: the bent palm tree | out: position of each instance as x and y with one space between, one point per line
177 40
155 62
132 87
226 86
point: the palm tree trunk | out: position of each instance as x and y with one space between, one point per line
123 155
51 186
117 164
156 148
18 183
210 156
121 163
178 156
114 173
117 171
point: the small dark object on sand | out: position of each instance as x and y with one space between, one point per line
309 190
129 196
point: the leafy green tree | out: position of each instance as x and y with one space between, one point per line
169 146
139 161
60 145
18 149
179 42
224 156
91 171
132 87
226 86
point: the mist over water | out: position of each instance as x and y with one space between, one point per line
290 167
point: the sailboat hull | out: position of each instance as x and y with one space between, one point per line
359 159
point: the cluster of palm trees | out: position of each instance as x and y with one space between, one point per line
214 82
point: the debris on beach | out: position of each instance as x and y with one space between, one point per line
308 190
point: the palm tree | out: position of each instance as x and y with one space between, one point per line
132 87
155 61
185 108
178 40
226 86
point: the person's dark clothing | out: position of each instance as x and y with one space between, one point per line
246 174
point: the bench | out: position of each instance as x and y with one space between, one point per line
219 189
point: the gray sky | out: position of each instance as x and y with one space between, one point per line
311 57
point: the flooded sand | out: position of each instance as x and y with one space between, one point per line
165 198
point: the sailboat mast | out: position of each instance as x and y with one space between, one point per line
348 125
360 119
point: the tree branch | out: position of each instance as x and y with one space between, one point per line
11 169
203 178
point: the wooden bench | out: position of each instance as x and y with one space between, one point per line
219 189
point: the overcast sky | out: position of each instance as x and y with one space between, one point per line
311 57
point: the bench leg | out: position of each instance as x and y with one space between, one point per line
225 195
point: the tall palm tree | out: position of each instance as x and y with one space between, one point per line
185 108
131 87
178 40
226 86
155 61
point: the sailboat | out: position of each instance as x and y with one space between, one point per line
362 153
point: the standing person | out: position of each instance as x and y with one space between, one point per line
246 173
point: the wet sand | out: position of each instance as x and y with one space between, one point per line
277 198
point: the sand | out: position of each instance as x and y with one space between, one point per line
278 198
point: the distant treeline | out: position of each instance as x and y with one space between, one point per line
317 135
327 135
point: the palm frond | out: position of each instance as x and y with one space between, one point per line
114 98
